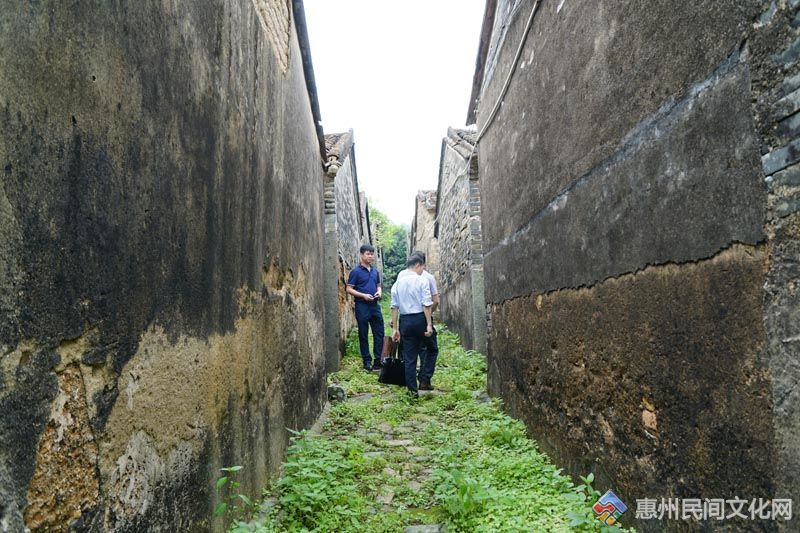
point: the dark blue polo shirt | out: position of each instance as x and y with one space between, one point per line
365 281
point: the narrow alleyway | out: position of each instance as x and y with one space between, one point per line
614 222
450 461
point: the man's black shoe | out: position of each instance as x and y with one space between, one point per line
376 364
425 385
368 367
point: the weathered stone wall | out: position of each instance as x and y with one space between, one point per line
348 213
160 258
458 231
421 238
776 91
351 235
629 239
333 339
346 229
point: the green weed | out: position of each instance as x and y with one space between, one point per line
473 467
233 503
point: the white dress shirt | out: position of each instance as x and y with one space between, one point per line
431 282
410 293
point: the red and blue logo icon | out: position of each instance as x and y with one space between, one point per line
609 508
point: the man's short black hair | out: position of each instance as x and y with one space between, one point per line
366 248
414 260
421 254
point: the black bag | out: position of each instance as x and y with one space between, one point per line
393 372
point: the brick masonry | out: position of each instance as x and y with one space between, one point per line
458 230
346 229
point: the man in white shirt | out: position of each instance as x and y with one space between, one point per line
430 346
411 310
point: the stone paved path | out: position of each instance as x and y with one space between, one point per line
406 462
380 461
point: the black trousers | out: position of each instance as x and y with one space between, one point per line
428 355
412 337
368 315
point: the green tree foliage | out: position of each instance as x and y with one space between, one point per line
391 239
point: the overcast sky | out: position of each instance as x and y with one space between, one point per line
398 74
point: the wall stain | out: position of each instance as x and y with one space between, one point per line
65 485
672 357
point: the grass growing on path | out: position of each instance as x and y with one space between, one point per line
385 461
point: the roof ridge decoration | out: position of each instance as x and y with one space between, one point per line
339 145
462 141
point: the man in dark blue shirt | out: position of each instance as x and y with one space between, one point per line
364 283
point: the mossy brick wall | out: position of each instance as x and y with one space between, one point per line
160 258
